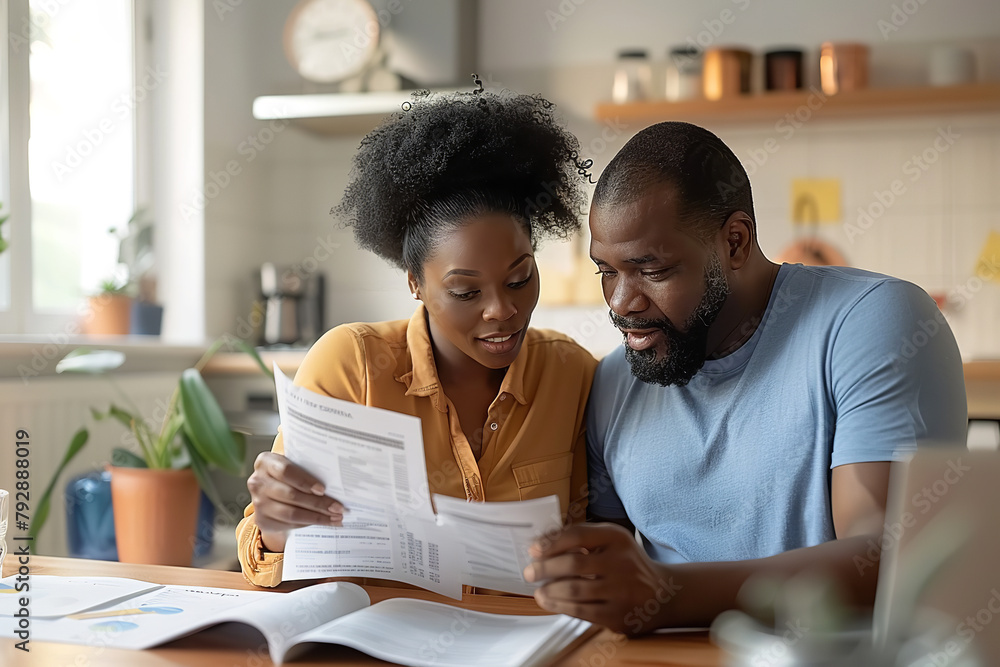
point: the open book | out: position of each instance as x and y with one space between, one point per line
126 614
372 460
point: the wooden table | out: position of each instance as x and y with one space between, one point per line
605 649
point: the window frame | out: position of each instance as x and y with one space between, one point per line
22 318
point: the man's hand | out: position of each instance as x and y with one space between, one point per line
286 497
598 572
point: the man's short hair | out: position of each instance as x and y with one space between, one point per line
710 182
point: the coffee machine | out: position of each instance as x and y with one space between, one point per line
291 301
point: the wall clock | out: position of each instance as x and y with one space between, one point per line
329 41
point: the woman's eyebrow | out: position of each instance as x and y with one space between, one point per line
470 272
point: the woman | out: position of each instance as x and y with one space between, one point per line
456 190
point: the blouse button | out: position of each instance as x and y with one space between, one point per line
493 426
503 397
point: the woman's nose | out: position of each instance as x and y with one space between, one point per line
500 308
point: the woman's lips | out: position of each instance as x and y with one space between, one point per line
500 344
643 340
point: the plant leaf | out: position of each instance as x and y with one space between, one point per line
249 349
205 424
42 509
84 360
205 481
241 448
174 425
123 458
134 423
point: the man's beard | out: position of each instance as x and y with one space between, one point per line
685 353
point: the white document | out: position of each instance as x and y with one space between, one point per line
373 461
418 633
59 596
362 454
493 538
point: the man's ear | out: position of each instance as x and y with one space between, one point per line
737 237
411 280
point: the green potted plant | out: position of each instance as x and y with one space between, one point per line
135 252
3 242
155 489
126 302
109 311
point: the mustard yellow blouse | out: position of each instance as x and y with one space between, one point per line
533 442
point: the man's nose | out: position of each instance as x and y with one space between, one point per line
625 299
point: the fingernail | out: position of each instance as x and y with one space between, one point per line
318 489
335 508
534 551
529 573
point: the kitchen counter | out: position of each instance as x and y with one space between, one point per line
982 378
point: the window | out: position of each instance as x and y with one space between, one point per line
71 79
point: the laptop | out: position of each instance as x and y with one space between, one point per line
940 554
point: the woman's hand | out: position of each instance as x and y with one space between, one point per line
286 497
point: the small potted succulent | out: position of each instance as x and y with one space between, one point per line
110 310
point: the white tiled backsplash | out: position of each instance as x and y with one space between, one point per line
932 234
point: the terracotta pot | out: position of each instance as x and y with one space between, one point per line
109 315
156 514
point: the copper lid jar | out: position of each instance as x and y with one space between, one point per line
726 73
843 67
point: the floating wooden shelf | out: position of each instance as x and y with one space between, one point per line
812 104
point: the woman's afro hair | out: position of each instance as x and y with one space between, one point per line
446 157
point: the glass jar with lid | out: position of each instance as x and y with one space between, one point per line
633 77
683 75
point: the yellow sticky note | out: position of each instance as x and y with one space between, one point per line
815 201
988 264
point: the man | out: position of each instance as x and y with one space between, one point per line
748 423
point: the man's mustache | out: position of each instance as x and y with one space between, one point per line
662 324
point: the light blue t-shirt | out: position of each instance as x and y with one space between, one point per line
847 366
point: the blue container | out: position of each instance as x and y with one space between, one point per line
90 519
90 523
145 319
205 533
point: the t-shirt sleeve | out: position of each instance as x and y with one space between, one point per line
897 378
604 501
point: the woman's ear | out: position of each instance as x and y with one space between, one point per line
411 280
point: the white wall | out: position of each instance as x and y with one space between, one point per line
277 208
554 33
